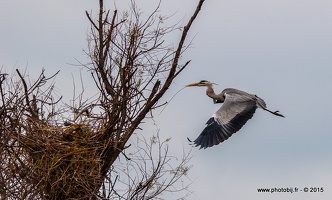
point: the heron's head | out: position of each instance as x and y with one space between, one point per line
200 83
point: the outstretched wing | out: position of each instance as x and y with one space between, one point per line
233 114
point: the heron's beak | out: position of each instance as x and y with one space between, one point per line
192 84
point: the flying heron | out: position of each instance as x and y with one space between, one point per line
238 107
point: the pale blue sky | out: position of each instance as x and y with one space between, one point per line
280 50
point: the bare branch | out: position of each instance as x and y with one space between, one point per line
56 150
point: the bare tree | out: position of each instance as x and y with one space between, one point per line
132 66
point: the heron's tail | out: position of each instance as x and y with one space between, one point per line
260 103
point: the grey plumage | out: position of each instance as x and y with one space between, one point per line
238 107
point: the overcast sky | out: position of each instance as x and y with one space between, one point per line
280 50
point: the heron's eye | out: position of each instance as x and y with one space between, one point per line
203 81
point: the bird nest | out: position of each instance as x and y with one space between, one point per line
65 158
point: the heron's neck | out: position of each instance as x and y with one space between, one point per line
210 92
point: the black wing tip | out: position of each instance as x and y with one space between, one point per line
193 143
212 135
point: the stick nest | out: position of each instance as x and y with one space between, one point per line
65 158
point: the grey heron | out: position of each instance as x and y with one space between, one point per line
238 107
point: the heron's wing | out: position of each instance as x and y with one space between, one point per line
233 114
